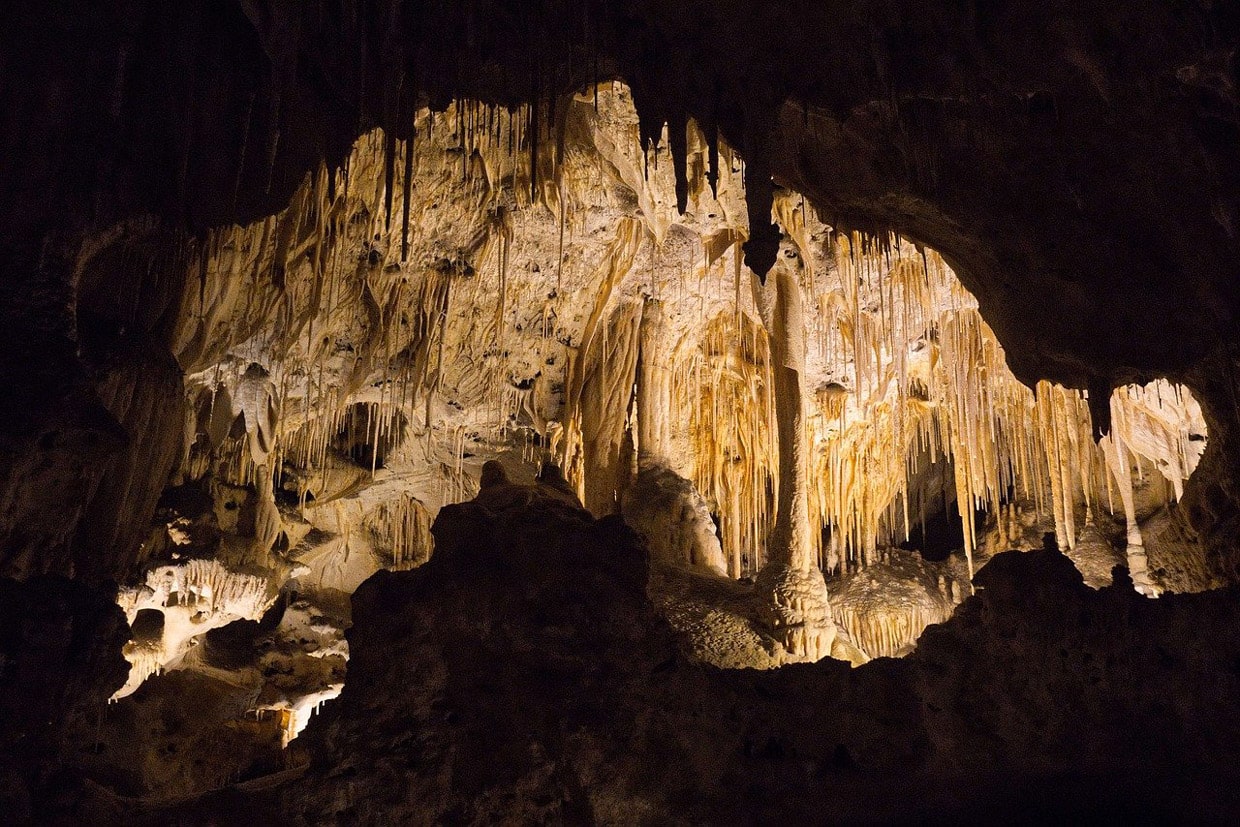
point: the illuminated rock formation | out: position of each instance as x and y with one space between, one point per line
661 505
405 333
668 512
814 296
192 598
790 583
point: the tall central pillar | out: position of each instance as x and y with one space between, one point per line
654 389
791 589
789 541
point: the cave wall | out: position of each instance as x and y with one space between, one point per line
60 660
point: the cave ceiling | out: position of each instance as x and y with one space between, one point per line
1076 162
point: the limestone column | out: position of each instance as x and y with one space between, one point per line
1117 460
654 389
662 505
782 314
791 589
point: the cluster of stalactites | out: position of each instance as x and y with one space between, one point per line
295 715
922 373
280 298
194 595
1160 423
888 632
146 658
283 294
401 527
210 586
929 375
923 378
726 384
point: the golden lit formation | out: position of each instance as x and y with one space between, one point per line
504 288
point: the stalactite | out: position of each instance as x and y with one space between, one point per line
402 527
607 389
618 262
535 112
389 175
404 219
732 431
764 236
678 144
712 149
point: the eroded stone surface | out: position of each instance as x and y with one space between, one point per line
673 519
522 674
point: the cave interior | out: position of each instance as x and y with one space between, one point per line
605 411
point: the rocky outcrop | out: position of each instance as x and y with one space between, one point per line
521 675
142 388
673 520
886 606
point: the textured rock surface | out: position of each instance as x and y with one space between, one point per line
928 123
521 674
885 607
795 610
673 519
1075 163
348 373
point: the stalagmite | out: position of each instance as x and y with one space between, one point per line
780 305
551 478
1119 468
666 509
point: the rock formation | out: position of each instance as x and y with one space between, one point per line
521 674
832 304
